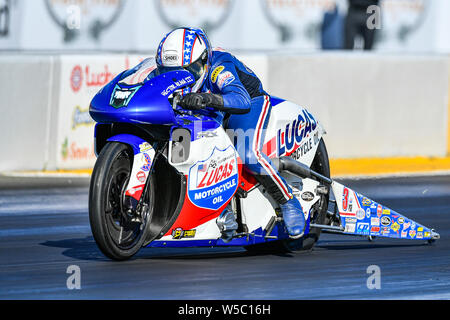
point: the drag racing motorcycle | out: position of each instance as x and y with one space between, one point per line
168 177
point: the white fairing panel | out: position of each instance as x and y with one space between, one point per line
203 148
292 131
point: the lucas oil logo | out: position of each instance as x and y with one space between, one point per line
214 181
296 134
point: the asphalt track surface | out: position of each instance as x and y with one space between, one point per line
44 229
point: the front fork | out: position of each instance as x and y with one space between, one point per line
143 162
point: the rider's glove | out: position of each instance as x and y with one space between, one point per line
199 101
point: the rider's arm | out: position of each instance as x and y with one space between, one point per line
225 81
227 92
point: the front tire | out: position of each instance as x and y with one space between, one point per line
117 236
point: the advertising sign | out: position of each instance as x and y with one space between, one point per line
81 78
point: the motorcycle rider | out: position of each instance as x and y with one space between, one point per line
227 85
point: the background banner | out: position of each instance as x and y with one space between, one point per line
138 25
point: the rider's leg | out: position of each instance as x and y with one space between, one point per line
249 131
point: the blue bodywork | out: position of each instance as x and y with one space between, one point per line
148 103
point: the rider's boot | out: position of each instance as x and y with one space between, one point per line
291 209
293 218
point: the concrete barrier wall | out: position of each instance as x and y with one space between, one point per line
27 89
370 105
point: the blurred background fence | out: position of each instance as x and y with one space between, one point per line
390 100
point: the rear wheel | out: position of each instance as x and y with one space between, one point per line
320 165
116 233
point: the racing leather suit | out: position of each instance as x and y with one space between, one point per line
246 111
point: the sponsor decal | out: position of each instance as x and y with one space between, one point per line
135 190
141 176
216 73
385 221
297 135
178 84
360 214
170 59
386 212
368 213
406 225
224 79
366 202
207 134
121 97
395 226
379 210
76 79
427 234
401 220
363 228
350 225
385 230
412 233
179 233
212 182
307 196
419 235
375 229
375 221
147 162
143 147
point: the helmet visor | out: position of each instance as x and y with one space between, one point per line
197 68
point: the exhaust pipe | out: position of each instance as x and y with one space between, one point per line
299 169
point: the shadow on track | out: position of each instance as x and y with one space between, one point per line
86 249
81 248
358 245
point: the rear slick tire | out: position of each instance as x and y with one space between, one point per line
116 235
320 165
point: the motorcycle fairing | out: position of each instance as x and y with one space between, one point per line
144 155
212 173
363 216
212 182
256 237
292 131
196 221
149 103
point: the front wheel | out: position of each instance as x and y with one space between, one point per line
116 233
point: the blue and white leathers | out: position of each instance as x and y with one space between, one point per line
248 109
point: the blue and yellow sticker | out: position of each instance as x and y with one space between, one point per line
216 73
